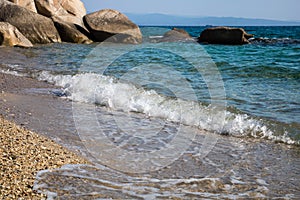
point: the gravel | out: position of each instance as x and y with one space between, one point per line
24 153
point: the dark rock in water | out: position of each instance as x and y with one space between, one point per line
176 35
11 36
112 26
71 11
224 35
35 27
71 33
274 41
29 4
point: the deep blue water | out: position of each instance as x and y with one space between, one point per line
278 32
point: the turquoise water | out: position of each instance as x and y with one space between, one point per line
261 80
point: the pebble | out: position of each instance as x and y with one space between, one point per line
23 154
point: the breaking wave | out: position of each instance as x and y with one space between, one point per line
109 92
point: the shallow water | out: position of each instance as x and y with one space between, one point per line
233 168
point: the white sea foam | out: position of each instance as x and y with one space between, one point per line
101 180
11 72
156 37
107 91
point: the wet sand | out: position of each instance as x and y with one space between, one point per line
22 152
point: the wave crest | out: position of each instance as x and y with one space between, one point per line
109 92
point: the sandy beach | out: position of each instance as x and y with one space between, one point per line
22 152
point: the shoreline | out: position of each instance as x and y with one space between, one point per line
33 105
30 104
23 152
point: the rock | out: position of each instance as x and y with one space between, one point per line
175 35
71 11
175 32
224 35
29 4
112 26
71 33
274 41
11 36
35 27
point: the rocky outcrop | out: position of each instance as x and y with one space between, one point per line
112 26
50 21
224 35
71 32
176 35
11 36
35 27
66 14
29 4
70 11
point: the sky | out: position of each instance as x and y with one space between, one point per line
262 9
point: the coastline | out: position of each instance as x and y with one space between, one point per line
33 106
22 152
222 124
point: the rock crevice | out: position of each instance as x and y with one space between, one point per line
35 27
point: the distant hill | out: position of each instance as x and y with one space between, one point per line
165 20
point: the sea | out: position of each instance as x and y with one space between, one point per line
177 119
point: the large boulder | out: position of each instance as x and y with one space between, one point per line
71 33
35 27
224 35
112 26
71 11
11 36
29 4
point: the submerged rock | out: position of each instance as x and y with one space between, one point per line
11 36
35 27
175 35
274 41
112 26
224 35
71 33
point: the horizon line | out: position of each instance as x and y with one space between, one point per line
199 16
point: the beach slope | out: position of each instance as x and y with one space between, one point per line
23 153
